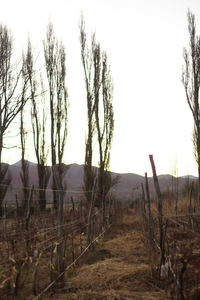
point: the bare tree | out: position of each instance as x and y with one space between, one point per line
24 174
191 83
38 119
99 89
86 56
55 57
103 91
10 99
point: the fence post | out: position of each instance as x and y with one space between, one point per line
160 212
5 221
90 213
103 208
143 207
28 215
17 207
150 229
109 208
60 264
73 208
191 209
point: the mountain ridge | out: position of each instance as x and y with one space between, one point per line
128 187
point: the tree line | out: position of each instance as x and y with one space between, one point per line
42 95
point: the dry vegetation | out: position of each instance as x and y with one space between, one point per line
121 263
117 268
124 266
29 258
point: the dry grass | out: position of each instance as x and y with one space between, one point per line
121 265
116 269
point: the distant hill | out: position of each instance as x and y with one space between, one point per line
128 187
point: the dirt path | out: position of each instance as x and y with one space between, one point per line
116 269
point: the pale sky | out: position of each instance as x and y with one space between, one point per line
144 40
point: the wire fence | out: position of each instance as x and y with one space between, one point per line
29 255
30 258
171 233
72 264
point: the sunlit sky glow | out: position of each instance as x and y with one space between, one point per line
144 40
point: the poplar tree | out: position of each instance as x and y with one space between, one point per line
55 62
10 100
191 83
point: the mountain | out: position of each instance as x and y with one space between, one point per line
128 187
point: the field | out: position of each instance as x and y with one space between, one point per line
118 268
123 260
123 266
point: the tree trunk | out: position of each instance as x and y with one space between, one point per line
1 176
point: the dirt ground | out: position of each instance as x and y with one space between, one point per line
117 268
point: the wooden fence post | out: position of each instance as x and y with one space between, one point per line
103 208
190 208
60 263
73 208
5 221
28 216
109 209
160 212
90 213
143 207
150 219
17 207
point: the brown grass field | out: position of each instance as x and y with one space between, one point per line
117 268
122 265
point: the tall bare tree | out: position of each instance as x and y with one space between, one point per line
10 98
24 174
87 61
99 89
55 57
191 83
38 118
104 121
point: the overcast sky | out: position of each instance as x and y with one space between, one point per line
144 40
